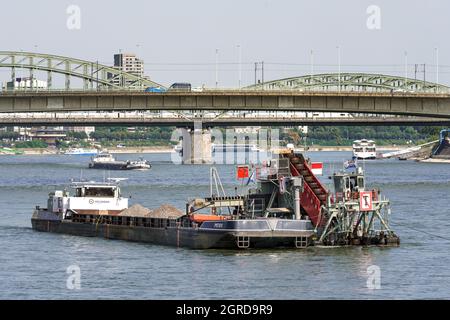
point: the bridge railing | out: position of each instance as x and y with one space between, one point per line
222 91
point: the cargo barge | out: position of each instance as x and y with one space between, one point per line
288 208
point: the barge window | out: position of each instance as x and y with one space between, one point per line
353 184
349 184
338 184
99 192
361 183
78 192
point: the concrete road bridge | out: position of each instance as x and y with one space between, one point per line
106 88
409 104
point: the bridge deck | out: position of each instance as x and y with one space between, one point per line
410 103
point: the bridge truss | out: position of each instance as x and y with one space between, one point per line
359 82
90 72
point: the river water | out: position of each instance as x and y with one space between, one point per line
34 265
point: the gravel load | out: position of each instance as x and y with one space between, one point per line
165 211
135 211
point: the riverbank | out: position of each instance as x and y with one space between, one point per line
50 151
140 150
435 160
33 151
349 148
168 149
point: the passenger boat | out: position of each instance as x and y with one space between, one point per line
364 149
106 161
288 207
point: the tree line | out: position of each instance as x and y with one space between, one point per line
344 135
321 135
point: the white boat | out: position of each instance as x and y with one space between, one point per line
140 164
364 149
81 152
106 161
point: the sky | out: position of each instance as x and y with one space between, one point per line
178 39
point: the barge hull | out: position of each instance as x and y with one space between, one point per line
174 236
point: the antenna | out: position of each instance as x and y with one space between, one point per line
214 176
364 166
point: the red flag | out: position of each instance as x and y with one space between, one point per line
317 168
242 172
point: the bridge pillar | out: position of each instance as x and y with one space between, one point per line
196 146
49 74
85 80
13 69
67 75
31 73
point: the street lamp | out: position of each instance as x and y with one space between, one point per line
339 66
240 64
139 54
406 70
437 68
217 68
139 50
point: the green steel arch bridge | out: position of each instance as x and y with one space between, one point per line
90 72
352 82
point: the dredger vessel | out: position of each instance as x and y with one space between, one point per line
288 207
